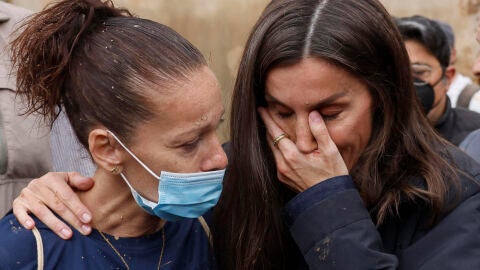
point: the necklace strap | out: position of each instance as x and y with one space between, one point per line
206 228
121 257
115 250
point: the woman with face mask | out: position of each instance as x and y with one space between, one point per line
124 83
333 164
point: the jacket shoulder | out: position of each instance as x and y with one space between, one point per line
468 167
451 244
468 118
18 245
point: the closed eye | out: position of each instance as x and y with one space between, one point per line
330 116
190 146
283 115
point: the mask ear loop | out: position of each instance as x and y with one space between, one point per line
134 156
442 78
144 200
115 170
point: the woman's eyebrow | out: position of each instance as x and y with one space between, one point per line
321 103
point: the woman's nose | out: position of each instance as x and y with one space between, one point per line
305 141
217 158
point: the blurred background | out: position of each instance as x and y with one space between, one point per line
219 28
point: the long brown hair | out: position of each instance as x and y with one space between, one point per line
99 63
361 38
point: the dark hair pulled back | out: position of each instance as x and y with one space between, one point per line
99 63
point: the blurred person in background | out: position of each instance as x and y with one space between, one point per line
429 53
24 141
68 154
463 92
476 66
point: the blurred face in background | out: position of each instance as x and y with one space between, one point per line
427 68
476 67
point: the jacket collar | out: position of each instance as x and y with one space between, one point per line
445 124
446 113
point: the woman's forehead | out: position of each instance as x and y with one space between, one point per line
310 78
191 102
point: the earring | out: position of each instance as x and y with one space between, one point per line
114 170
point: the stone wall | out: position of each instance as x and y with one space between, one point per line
220 27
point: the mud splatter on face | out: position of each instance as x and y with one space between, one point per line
203 118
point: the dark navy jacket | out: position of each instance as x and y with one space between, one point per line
334 230
186 248
456 124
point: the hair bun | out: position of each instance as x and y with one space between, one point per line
41 53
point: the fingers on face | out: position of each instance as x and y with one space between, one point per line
319 130
286 148
276 135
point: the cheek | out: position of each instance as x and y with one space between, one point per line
351 136
161 158
350 132
340 134
439 91
287 125
188 163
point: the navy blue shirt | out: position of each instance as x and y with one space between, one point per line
186 247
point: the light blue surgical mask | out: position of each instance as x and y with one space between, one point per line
180 195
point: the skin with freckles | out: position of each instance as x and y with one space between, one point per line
342 100
183 137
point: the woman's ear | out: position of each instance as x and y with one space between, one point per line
105 151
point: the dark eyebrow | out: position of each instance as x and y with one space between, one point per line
320 104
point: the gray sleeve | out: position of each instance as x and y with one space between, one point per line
68 154
471 145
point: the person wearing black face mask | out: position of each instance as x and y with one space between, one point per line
425 94
429 54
